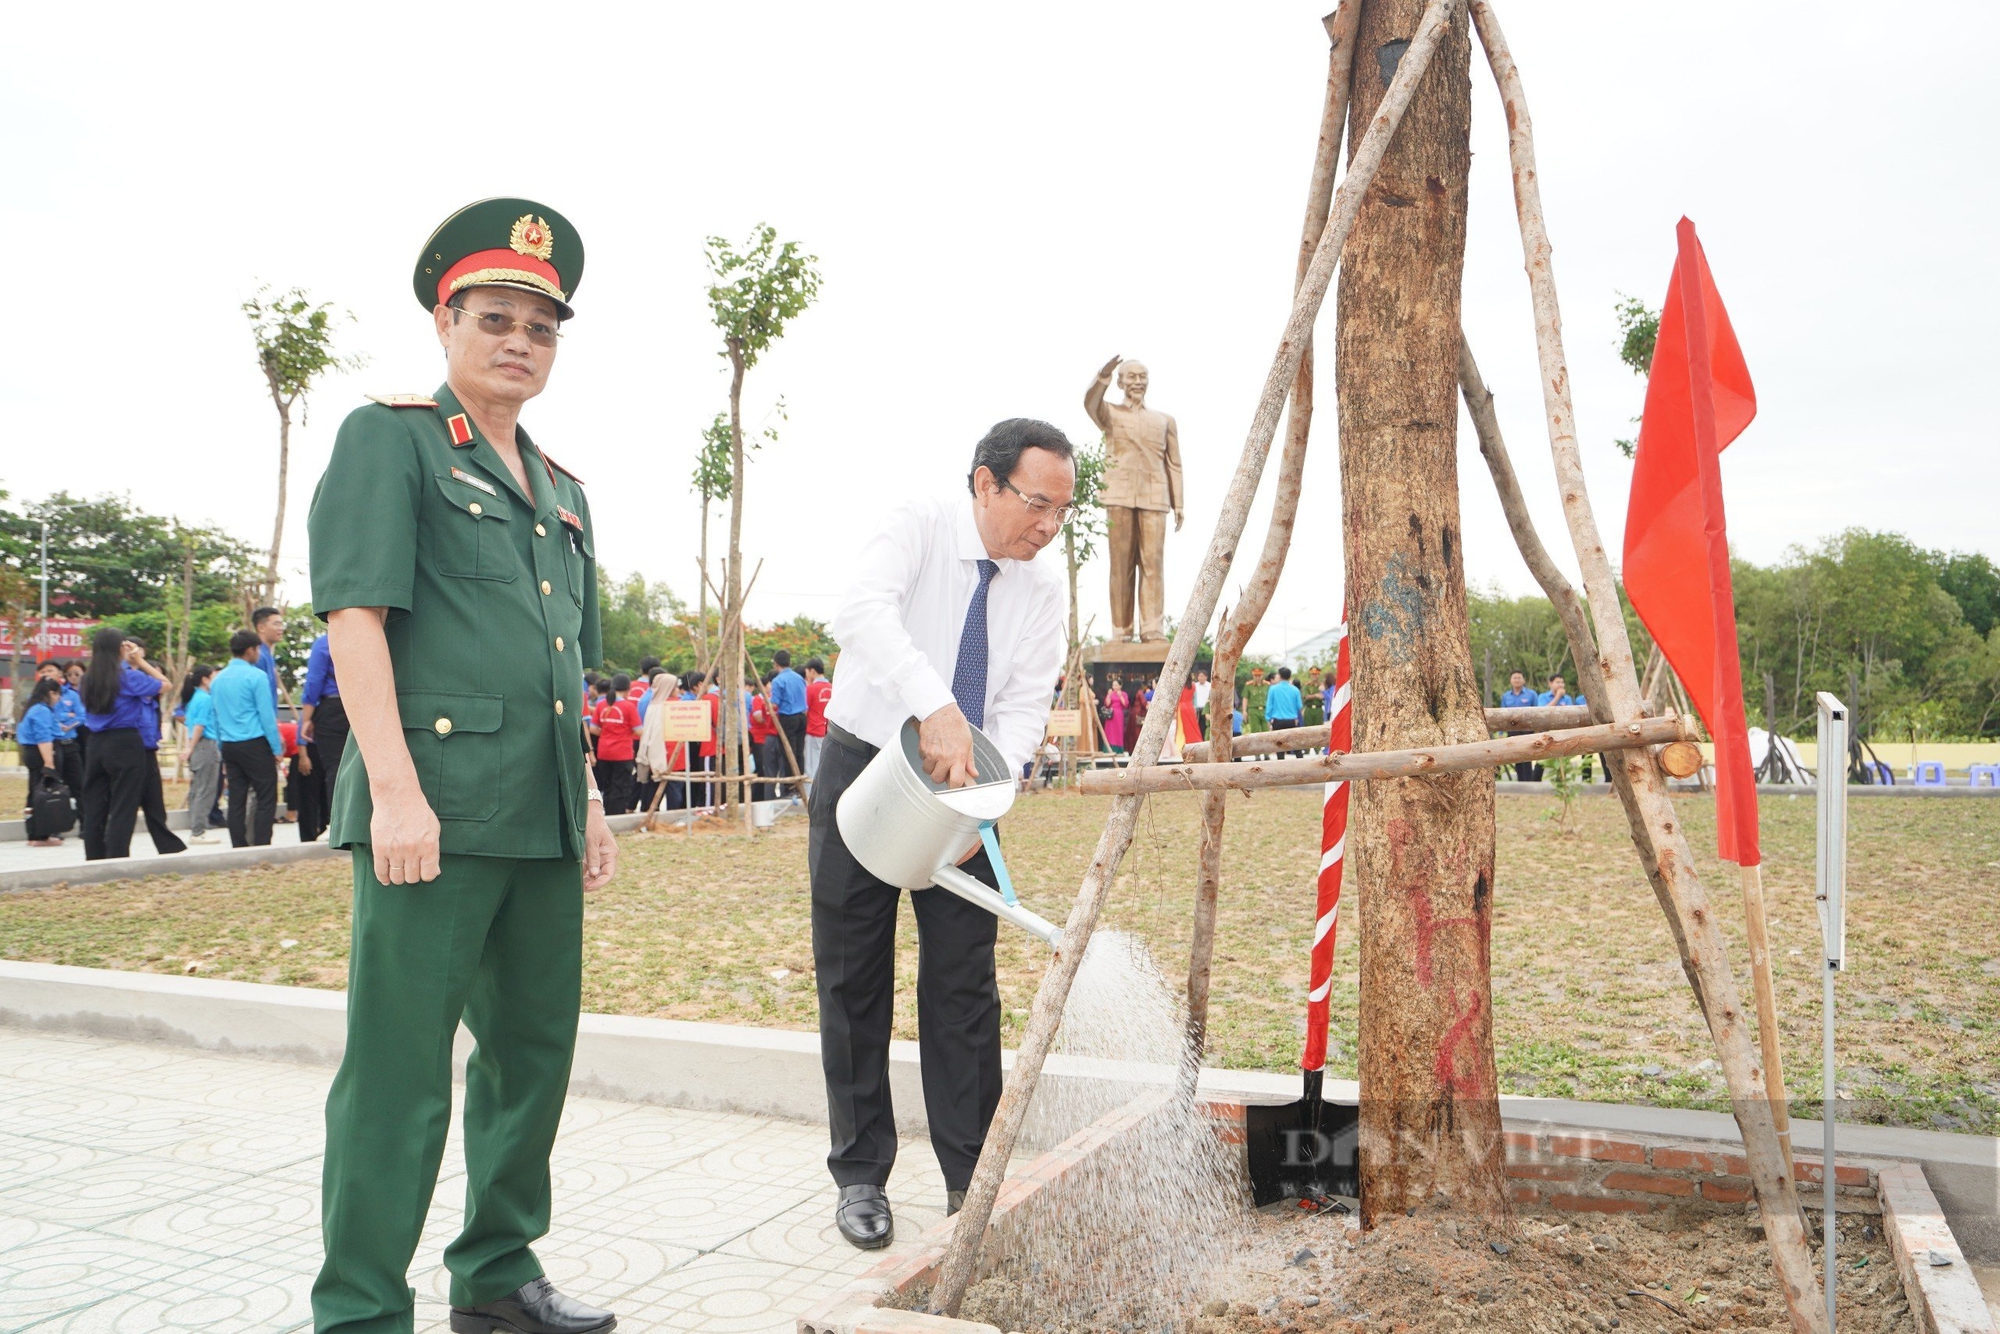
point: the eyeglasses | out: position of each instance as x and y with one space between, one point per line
1040 508
499 325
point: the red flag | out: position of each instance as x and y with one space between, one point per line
1698 399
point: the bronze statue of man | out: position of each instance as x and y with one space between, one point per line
1142 483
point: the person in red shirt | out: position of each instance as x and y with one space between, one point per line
818 691
698 686
617 722
763 739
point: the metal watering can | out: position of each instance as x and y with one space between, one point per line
909 831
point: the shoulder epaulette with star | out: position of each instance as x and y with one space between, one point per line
404 400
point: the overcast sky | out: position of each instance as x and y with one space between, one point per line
1000 200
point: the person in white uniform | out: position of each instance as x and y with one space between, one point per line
951 621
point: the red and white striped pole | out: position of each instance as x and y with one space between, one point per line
1333 846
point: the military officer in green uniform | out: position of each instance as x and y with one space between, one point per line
455 566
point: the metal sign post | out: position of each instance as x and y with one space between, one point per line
1832 899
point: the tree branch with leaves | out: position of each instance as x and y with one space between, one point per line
753 293
294 339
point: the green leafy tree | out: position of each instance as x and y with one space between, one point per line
1639 334
640 619
1516 635
1086 523
294 340
110 560
1974 584
753 294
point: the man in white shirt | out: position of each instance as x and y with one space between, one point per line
950 621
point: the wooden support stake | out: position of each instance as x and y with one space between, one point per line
956 1271
1547 718
1240 622
1689 909
1758 931
1249 775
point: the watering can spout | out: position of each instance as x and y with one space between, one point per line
972 891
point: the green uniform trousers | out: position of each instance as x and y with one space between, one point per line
498 941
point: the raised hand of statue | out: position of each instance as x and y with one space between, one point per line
1110 366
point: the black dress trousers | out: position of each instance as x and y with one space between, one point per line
330 736
854 959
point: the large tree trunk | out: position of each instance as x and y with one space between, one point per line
1421 848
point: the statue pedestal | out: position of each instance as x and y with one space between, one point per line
1136 664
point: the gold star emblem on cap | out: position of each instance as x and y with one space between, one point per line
531 237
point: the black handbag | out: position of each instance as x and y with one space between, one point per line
51 804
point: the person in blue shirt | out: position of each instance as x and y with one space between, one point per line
1517 695
269 623
246 725
200 751
1283 704
121 702
68 710
788 699
36 739
1558 694
322 721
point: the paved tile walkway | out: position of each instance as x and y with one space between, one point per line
150 1188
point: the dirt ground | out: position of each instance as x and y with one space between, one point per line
1433 1273
1549 1272
1589 1001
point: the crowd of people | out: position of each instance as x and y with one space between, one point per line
638 768
254 759
93 748
91 737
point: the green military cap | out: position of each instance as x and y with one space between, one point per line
501 243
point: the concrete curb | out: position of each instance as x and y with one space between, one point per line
776 1072
1943 1292
196 863
142 868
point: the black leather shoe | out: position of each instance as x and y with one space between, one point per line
533 1308
954 1200
863 1216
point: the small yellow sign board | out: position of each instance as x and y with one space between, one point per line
1065 722
684 719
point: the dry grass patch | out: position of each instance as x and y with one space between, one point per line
1589 999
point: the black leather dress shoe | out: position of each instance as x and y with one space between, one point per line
863 1216
954 1200
533 1308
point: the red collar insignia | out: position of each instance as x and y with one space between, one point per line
460 428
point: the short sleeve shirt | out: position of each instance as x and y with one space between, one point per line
491 594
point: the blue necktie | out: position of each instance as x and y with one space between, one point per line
968 678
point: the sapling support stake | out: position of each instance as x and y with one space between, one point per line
1777 1194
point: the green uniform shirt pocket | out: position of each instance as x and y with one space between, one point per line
469 539
454 741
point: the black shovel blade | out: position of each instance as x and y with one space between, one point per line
1305 1150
